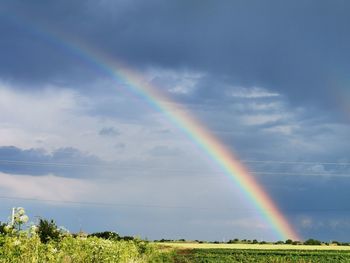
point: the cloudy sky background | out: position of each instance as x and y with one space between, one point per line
270 79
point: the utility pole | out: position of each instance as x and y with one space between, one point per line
13 216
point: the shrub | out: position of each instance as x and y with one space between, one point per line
312 242
106 235
127 238
3 228
289 241
233 241
48 230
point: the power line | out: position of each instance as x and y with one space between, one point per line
99 203
296 162
301 174
206 174
36 163
168 207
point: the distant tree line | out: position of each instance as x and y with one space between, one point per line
111 235
310 242
48 230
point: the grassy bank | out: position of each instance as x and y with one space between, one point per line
76 249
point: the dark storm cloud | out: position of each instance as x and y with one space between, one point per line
322 199
299 48
67 162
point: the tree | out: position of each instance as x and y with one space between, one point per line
289 241
312 242
233 241
106 235
48 230
3 228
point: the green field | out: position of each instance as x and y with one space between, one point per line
188 245
244 255
210 253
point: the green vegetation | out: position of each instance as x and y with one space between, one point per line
236 255
45 242
48 231
21 241
238 246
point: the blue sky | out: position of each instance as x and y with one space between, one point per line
269 79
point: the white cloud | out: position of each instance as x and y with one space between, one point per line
47 187
259 119
176 82
252 93
282 129
56 117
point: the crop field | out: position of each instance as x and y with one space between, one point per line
194 252
186 245
252 255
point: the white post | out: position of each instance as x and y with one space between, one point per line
13 216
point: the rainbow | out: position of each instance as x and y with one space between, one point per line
196 131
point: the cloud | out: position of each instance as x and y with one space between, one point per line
254 92
265 45
47 187
164 151
120 146
67 162
109 131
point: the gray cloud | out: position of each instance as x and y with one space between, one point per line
164 151
67 162
109 131
295 48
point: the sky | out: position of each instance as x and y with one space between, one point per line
269 79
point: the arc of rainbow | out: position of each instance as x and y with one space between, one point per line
216 151
220 154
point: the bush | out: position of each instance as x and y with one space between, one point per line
3 228
106 235
77 250
48 230
289 241
127 238
312 242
